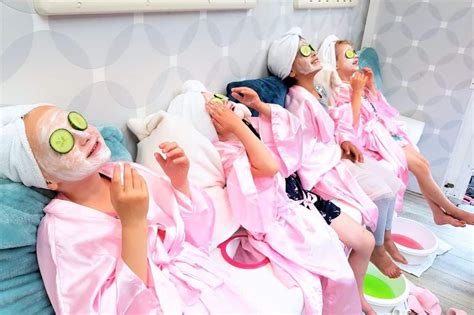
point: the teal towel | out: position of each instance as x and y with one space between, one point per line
21 210
368 58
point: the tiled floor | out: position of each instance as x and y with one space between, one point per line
451 277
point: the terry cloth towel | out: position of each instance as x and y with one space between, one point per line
282 53
17 162
327 50
191 105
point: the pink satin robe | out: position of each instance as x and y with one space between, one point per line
373 135
303 250
322 169
79 254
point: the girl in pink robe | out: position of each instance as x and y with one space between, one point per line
303 250
371 120
136 245
372 135
79 257
332 166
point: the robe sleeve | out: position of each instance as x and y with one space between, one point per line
197 211
251 206
282 134
198 214
85 283
342 116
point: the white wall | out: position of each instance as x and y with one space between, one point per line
426 53
113 67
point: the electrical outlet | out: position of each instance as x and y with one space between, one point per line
323 4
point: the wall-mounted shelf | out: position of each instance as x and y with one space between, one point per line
323 4
75 7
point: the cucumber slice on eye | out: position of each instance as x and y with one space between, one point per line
219 98
305 51
61 141
350 54
77 121
222 97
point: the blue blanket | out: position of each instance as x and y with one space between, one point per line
21 210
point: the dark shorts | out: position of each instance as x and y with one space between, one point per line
295 191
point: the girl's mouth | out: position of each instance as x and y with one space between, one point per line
94 149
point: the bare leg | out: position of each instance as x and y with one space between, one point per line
392 249
379 256
440 217
362 243
419 166
381 260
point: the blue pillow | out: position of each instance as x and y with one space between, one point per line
368 58
270 90
21 209
115 141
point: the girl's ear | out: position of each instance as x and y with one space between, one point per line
52 185
292 74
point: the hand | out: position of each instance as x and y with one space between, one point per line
370 78
224 119
358 81
129 199
248 97
350 152
175 166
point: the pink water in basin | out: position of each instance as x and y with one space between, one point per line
406 241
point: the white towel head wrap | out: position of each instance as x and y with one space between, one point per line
17 162
191 105
327 50
282 53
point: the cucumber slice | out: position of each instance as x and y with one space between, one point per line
305 51
222 97
350 54
61 141
219 98
77 121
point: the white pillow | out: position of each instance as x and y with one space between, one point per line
414 128
205 170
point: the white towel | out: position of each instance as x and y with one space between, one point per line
327 50
206 167
418 270
190 105
282 53
17 162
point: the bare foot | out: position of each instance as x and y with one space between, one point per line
392 250
381 260
442 218
366 308
461 215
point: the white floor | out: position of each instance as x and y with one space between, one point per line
451 277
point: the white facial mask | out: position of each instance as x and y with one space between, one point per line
307 67
304 65
347 65
79 162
